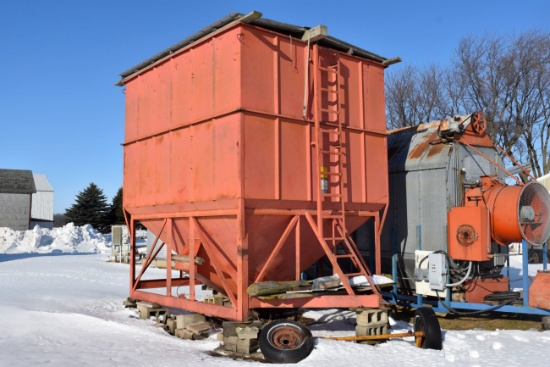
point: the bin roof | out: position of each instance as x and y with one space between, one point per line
284 28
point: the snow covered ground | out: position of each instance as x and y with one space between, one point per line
61 305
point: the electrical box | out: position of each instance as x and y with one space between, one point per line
423 273
437 274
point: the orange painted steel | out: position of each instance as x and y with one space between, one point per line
478 289
219 163
469 236
503 203
490 213
491 210
539 296
496 212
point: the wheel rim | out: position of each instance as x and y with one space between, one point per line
286 336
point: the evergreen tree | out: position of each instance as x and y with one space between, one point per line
117 213
59 220
90 208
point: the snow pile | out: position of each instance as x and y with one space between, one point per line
67 239
68 311
49 302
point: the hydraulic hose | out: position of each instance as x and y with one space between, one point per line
450 285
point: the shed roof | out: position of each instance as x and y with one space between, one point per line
253 18
42 183
15 181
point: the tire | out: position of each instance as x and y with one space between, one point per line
425 320
285 342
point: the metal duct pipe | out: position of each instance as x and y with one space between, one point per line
518 213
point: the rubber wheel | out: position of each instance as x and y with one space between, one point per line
285 342
425 320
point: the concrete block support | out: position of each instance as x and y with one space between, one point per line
230 327
148 310
190 326
372 322
241 338
185 320
199 328
172 326
184 334
366 317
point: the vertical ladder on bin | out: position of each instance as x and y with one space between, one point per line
338 244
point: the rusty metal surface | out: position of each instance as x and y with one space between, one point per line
287 337
411 149
478 289
539 292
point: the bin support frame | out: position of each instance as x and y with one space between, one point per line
240 302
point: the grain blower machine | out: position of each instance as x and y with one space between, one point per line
456 210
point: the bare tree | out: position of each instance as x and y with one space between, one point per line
433 96
481 78
415 96
509 82
531 105
402 99
508 78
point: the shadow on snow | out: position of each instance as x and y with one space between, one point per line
11 257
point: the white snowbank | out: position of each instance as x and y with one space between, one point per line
67 239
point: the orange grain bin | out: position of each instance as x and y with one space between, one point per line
227 138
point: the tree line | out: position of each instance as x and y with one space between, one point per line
506 77
91 207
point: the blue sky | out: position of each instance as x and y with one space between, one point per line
61 115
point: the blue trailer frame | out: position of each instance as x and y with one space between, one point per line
394 297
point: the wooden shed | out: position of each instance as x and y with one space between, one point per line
16 189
